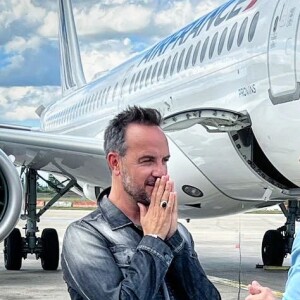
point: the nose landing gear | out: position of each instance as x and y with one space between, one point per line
278 243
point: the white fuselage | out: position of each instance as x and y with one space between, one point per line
243 57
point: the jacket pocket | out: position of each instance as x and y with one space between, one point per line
122 255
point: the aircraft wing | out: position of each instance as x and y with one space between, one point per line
75 157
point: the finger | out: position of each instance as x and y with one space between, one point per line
175 202
175 208
154 192
167 191
172 186
255 283
160 191
255 290
171 201
143 210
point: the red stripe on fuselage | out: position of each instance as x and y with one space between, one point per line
252 3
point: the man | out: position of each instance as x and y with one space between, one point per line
132 247
292 289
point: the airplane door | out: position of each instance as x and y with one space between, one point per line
282 49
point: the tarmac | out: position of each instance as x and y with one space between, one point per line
228 249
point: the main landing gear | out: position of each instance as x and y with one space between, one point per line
278 243
45 247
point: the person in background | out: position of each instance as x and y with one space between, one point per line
292 287
132 246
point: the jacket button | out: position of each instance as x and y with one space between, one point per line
167 258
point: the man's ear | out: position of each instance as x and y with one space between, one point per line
113 160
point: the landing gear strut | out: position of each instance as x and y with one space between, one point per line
47 246
278 243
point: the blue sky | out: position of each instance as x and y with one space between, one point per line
109 31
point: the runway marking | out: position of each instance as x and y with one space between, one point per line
235 284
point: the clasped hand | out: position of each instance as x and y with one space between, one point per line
158 220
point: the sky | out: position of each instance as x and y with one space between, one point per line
109 32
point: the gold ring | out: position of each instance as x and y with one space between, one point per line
163 204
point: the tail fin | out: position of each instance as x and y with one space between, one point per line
71 72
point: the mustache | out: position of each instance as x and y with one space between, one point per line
151 181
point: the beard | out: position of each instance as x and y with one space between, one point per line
137 193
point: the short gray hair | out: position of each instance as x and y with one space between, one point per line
114 135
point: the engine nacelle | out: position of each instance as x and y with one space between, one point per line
89 192
10 196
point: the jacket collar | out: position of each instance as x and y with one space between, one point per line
113 215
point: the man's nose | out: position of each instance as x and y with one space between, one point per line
160 170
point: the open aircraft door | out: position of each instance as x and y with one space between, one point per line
282 52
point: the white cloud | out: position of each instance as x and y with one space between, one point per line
3 100
105 56
15 10
21 113
125 18
110 31
49 27
15 94
20 44
20 103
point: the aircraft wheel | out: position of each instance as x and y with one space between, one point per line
13 250
273 248
50 250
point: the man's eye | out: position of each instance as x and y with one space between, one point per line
146 161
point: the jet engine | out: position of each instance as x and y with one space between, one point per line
10 196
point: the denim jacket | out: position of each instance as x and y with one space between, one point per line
105 256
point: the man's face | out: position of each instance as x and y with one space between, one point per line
145 160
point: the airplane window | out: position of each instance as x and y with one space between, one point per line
71 112
95 100
131 83
87 104
222 40
203 51
115 91
123 86
196 51
137 80
160 69
173 64
103 97
187 58
81 107
213 45
231 36
154 72
242 32
180 60
253 26
143 78
99 100
67 115
167 65
107 94
148 76
88 107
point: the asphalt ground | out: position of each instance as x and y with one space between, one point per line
228 248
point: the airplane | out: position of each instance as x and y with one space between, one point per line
228 87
